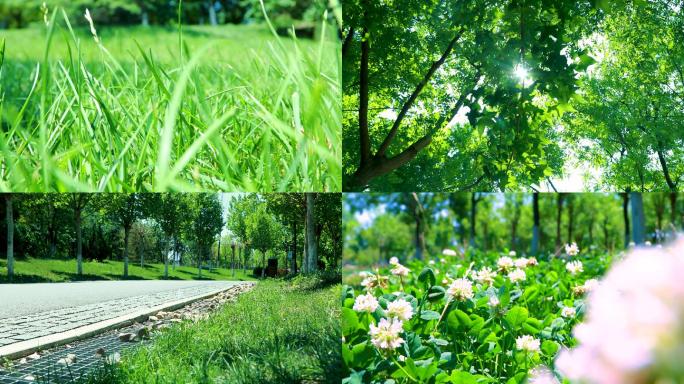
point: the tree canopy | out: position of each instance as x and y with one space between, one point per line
445 95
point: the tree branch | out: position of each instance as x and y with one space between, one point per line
419 88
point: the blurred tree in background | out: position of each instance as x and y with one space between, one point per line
22 13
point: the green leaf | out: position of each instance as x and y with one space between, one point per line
350 321
549 347
429 315
436 293
363 354
516 316
458 319
461 377
427 277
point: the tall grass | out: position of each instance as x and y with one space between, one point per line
200 118
275 333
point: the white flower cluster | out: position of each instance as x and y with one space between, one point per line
634 326
365 303
517 275
527 343
449 252
398 270
571 249
385 335
505 263
574 267
588 286
400 309
461 289
485 276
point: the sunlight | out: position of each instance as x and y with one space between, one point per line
523 75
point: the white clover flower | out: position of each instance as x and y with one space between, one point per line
632 332
527 343
571 249
517 275
485 276
386 334
521 262
505 263
400 309
647 243
532 261
568 312
493 301
512 253
449 252
588 286
461 289
92 26
369 282
365 303
574 267
431 262
393 260
400 270
442 260
364 274
445 281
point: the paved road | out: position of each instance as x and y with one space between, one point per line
31 311
26 299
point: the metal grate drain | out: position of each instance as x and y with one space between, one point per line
47 370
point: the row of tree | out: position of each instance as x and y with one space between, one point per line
190 229
413 225
21 13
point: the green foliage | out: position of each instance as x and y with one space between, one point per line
473 340
477 96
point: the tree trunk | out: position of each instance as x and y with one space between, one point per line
638 225
673 211
535 227
213 20
127 230
232 260
10 237
625 217
294 246
571 218
473 216
166 259
312 252
199 261
145 20
419 231
263 263
559 213
79 245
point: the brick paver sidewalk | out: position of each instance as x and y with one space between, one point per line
18 329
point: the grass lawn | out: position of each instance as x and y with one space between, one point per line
236 109
43 271
276 333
